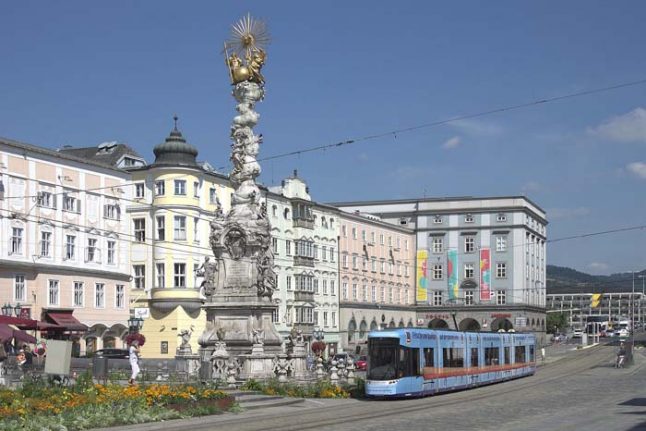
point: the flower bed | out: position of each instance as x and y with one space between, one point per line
321 389
85 405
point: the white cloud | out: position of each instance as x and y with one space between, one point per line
638 169
452 143
477 128
561 213
532 186
629 127
598 266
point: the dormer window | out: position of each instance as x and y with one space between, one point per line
501 217
468 218
437 219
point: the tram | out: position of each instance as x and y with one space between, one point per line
406 362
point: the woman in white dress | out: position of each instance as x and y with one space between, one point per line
134 361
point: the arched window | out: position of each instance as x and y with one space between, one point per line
352 329
274 210
362 329
286 213
373 325
331 223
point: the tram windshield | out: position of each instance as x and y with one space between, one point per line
382 358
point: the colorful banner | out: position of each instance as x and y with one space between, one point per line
452 273
485 274
422 275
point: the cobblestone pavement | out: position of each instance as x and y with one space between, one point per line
575 390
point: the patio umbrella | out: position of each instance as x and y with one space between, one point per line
7 333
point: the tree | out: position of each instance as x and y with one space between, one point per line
556 322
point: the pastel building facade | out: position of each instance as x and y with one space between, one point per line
174 200
64 242
305 245
377 277
455 238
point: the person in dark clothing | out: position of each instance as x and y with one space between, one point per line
621 355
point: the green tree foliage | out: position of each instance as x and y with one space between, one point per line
556 322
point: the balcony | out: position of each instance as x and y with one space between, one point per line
307 328
304 223
304 261
167 299
303 296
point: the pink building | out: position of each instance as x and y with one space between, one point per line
64 242
377 277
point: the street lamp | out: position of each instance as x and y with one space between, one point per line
7 309
135 324
318 334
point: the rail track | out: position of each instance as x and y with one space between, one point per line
328 416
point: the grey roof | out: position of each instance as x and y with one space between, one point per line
175 151
58 154
106 154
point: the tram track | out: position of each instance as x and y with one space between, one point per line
360 411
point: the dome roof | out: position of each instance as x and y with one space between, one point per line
175 151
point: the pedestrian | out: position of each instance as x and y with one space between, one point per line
29 357
621 355
134 361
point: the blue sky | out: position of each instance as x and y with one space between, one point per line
81 73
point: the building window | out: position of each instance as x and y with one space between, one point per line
501 243
46 200
344 232
286 214
140 276
119 296
383 266
437 297
437 271
274 315
355 294
501 270
501 217
160 188
112 212
19 291
288 282
469 244
325 319
139 190
16 240
468 297
288 247
468 270
161 228
390 295
196 229
405 270
332 254
344 260
213 197
79 294
180 228
381 239
437 219
196 189
501 297
99 295
91 251
180 275
45 244
324 253
71 204
344 290
354 233
383 294
354 262
70 245
373 293
438 244
180 187
52 293
161 275
274 245
140 229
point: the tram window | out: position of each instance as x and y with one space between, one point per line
531 353
507 355
491 355
382 358
453 358
474 356
429 357
408 362
519 354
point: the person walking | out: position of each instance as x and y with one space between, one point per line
133 356
621 355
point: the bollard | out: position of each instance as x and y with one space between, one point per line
334 377
350 371
320 372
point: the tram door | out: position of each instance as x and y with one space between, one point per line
473 358
409 370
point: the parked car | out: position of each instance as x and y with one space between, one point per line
112 353
623 333
559 338
362 363
577 333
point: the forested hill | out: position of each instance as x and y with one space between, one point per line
561 280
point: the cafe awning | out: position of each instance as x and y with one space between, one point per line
8 333
65 320
27 323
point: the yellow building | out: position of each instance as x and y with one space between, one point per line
174 200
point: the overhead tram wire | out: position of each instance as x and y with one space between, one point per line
395 132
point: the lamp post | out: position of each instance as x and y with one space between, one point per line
7 309
641 299
632 316
135 324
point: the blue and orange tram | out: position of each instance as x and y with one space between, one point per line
408 362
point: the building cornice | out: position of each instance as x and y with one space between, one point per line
12 265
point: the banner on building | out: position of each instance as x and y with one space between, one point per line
422 275
595 300
452 273
485 274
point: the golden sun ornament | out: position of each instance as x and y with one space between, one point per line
249 37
